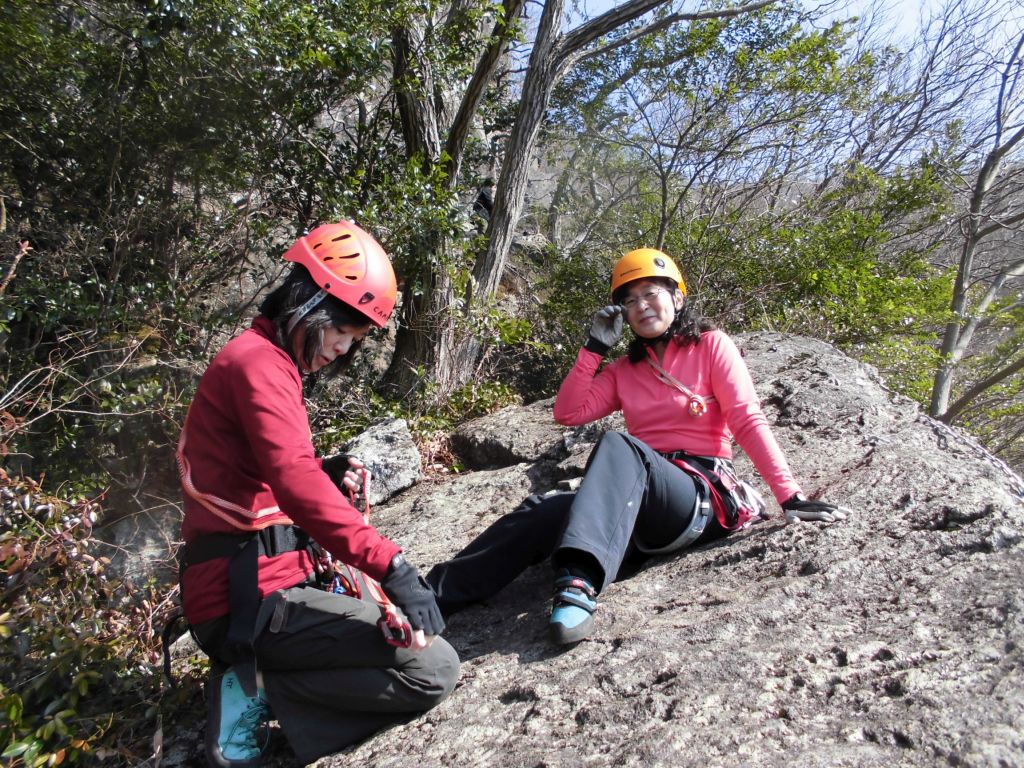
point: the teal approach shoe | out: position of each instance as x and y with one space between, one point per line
572 613
236 726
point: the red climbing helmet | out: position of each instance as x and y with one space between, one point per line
350 265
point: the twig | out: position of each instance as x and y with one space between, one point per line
23 248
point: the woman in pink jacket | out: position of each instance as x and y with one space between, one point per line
666 484
331 665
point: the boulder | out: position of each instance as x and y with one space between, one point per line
389 452
893 638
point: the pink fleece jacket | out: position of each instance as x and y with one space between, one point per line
657 412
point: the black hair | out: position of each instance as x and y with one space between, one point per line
686 327
296 289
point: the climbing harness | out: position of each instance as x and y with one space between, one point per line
736 503
697 404
698 521
244 550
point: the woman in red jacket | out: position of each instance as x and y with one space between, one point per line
260 509
666 484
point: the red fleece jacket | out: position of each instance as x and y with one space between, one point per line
246 450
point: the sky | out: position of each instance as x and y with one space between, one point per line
904 18
901 17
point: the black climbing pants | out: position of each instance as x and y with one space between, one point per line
330 677
628 490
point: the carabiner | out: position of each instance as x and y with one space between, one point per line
698 406
396 632
345 582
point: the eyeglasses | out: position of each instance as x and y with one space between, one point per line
648 297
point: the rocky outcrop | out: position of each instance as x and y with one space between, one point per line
893 638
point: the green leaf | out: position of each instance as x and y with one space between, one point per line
16 749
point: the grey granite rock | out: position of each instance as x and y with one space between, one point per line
893 638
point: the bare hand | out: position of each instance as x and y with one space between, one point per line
421 640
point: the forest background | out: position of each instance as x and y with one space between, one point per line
810 170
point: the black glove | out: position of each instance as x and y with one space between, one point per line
799 508
410 592
336 467
605 329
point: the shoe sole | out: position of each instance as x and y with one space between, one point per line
563 635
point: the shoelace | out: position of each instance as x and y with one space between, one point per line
249 727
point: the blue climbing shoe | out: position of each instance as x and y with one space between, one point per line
572 613
236 727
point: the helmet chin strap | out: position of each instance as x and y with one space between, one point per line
667 335
304 310
663 337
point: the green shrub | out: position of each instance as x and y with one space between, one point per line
80 680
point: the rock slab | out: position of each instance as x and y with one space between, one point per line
891 639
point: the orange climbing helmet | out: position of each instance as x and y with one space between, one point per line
645 262
350 265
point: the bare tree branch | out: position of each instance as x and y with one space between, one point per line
973 392
570 50
23 249
967 317
486 66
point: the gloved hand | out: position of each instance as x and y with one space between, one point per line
798 508
606 327
410 592
335 467
341 468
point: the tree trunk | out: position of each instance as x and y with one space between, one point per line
420 341
429 345
960 330
511 191
425 341
426 347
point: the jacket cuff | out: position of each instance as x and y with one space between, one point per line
597 347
